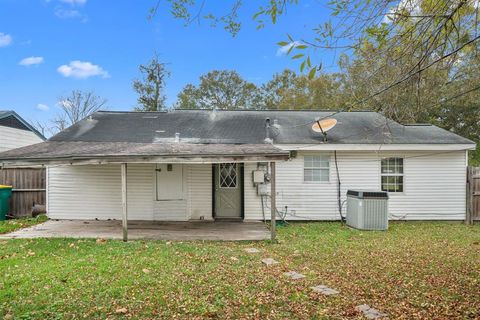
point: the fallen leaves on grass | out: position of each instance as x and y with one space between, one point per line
413 271
121 311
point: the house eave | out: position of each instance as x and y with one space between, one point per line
376 147
102 160
58 153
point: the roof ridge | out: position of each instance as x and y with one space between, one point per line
128 111
238 110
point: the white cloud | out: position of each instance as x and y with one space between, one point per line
70 14
75 2
67 13
5 39
42 107
283 50
31 61
82 70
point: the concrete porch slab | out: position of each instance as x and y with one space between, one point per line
153 230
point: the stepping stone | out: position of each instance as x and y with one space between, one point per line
294 275
252 250
325 290
369 312
269 261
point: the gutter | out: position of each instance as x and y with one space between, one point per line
109 159
377 147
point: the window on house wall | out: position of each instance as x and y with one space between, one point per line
392 174
316 168
228 175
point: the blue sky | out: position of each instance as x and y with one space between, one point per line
50 47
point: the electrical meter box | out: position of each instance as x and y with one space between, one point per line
263 189
258 176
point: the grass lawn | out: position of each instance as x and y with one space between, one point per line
415 270
14 224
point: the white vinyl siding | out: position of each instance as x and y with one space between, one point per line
11 138
84 192
434 189
200 191
140 193
94 192
434 186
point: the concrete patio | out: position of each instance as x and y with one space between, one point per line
153 230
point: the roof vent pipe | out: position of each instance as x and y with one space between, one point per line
267 131
275 123
177 137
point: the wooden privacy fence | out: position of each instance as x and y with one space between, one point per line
29 188
473 195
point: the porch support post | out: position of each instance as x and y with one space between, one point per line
273 232
124 202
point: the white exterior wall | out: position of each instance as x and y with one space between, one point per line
434 186
94 192
434 189
11 138
200 192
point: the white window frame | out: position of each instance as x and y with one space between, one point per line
326 158
393 174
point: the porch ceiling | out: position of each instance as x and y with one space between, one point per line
154 230
56 152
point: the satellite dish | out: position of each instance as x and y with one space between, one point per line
324 125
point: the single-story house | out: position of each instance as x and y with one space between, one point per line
28 183
15 132
208 164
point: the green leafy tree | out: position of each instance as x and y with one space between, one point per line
428 32
150 87
290 91
219 89
447 95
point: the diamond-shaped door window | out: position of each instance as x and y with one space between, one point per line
228 175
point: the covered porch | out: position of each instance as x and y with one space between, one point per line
142 230
158 182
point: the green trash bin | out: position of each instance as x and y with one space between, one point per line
5 194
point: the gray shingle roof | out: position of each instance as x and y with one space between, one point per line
99 150
210 134
233 127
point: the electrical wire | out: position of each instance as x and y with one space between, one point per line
346 109
339 188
